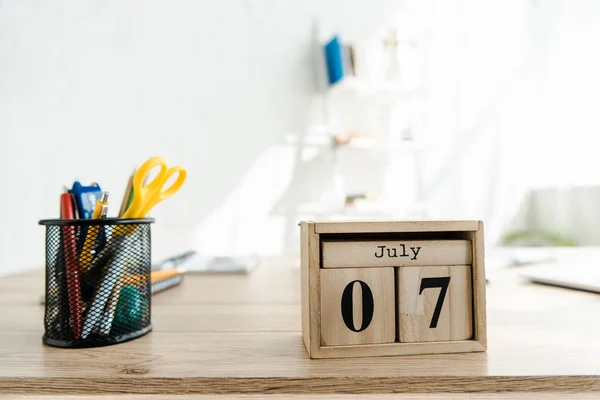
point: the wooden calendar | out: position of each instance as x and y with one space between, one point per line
392 288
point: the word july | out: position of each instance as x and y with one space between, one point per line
415 252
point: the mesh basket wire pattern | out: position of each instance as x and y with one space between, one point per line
97 281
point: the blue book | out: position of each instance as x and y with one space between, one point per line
334 60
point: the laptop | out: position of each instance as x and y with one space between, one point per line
573 275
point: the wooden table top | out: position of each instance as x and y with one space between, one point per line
240 334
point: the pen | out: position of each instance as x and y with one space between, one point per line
94 314
100 211
109 314
69 241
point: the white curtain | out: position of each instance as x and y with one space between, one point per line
514 89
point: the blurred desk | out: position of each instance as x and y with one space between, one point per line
240 334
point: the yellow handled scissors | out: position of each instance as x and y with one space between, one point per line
147 196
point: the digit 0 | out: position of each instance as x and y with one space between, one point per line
348 306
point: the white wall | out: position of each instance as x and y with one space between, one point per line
88 89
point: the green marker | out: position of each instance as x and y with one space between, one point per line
130 310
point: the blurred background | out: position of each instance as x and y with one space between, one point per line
304 110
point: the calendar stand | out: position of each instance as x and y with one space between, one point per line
392 288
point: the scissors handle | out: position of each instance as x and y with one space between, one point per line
174 187
156 193
146 196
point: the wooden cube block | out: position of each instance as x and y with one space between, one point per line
357 306
435 303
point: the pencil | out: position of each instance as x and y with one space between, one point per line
86 256
128 195
164 274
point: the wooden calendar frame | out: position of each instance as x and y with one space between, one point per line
312 236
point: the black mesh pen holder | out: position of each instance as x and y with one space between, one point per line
97 281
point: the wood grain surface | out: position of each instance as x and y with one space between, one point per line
240 334
479 286
396 396
394 226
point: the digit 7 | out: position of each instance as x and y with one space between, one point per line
442 283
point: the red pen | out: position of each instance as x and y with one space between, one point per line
69 241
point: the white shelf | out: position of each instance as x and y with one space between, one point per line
375 144
357 86
380 145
